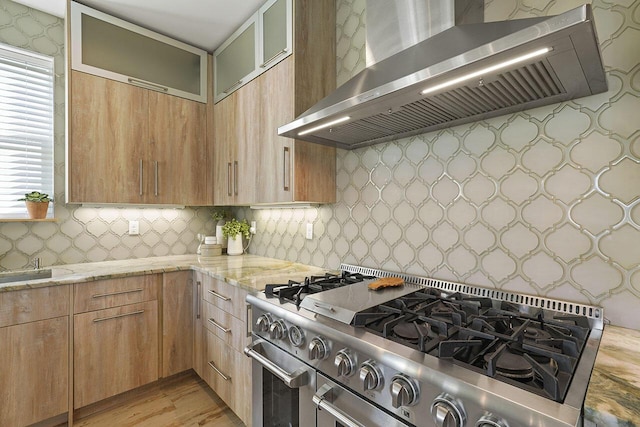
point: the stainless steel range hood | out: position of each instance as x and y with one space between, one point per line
462 74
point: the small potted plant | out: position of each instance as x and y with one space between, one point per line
219 217
37 204
231 230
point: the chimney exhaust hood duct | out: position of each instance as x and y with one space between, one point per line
445 67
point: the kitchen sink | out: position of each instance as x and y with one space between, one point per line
24 275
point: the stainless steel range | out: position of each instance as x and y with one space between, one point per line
331 352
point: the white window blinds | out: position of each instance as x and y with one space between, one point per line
26 128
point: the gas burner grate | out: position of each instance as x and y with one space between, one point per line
295 291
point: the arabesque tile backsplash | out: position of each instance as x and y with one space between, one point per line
545 202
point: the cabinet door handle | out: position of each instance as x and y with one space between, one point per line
141 175
128 291
219 372
102 319
219 326
229 179
264 64
217 295
155 165
236 84
198 287
286 176
235 177
147 85
248 320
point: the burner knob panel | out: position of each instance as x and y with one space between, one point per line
370 376
278 330
345 364
404 391
263 322
318 349
491 421
448 412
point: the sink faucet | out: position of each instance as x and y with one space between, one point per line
36 263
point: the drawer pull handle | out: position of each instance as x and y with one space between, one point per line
147 85
116 293
219 372
219 326
264 64
217 295
102 319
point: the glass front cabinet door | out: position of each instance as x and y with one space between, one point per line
109 47
260 43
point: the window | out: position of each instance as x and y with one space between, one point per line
26 128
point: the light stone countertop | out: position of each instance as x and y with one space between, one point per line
250 272
613 398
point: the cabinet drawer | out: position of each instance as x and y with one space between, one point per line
115 350
225 296
219 367
226 327
30 305
114 292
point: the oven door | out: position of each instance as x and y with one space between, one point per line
339 407
283 387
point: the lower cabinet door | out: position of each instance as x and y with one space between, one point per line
115 350
34 366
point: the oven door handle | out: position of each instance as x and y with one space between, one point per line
320 399
294 379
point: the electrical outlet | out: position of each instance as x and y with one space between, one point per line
252 228
134 228
309 234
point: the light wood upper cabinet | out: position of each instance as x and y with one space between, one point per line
248 150
236 149
119 50
292 170
131 145
34 355
108 137
177 136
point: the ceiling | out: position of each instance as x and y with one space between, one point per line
202 23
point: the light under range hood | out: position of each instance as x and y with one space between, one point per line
462 74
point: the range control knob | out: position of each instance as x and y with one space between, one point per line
489 420
296 336
370 376
345 364
448 412
263 322
318 349
278 330
404 391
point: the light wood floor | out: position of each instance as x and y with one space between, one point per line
185 402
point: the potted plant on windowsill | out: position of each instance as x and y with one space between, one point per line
233 231
37 204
